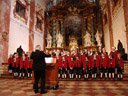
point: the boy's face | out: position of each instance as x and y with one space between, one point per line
99 48
102 55
119 55
67 53
11 56
85 50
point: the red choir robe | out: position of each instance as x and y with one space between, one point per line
111 63
59 61
72 64
21 63
28 63
17 62
63 64
69 58
121 64
97 63
85 65
105 64
10 60
79 63
115 54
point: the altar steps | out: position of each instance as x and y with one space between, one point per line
125 78
6 75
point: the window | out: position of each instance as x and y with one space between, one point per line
20 9
38 24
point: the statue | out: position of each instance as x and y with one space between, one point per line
49 40
59 39
87 38
98 38
120 46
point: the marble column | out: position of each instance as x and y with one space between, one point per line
92 30
62 32
85 29
5 6
54 33
89 24
31 26
110 24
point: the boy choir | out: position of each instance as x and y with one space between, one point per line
86 64
20 66
90 64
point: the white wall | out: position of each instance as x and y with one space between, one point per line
19 35
119 33
19 31
118 27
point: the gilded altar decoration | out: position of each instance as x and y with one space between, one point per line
20 10
73 44
39 18
4 36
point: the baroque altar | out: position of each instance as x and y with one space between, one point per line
75 24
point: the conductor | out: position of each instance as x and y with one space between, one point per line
39 67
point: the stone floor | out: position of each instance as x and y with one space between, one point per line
16 87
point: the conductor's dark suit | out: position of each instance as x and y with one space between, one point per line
39 67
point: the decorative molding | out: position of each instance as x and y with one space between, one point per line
116 7
25 4
4 36
40 16
105 16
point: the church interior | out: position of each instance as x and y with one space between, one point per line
87 41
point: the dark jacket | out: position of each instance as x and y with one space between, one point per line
38 60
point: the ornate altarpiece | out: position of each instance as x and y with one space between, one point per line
72 19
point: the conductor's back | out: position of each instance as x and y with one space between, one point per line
39 67
39 60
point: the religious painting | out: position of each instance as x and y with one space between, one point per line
20 10
73 29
